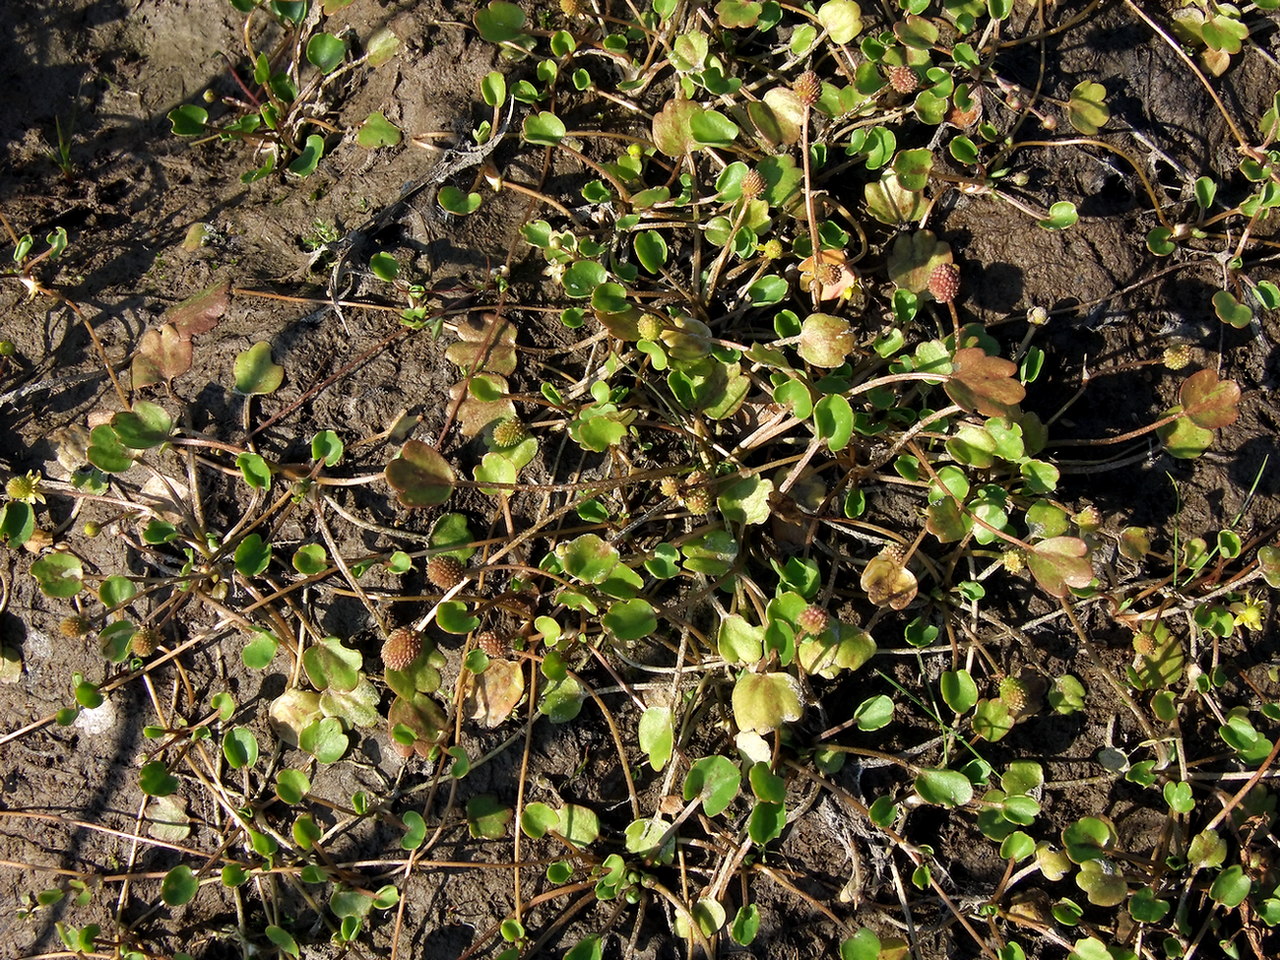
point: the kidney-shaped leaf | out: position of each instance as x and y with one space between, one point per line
163 353
1060 562
984 383
420 476
255 372
1209 402
716 780
763 702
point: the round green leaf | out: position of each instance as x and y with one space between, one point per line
255 372
310 559
189 120
259 651
544 129
292 785
651 250
252 555
420 476
715 780
240 747
945 788
630 619
581 279
254 469
179 886
145 426
458 202
378 131
116 590
306 162
325 51
59 575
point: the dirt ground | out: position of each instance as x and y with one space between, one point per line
109 72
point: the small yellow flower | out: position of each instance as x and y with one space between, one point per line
1248 612
25 489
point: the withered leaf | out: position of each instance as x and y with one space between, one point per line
984 384
163 353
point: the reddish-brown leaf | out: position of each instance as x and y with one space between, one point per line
984 384
163 353
200 312
1209 402
1059 563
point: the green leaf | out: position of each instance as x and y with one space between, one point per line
589 948
252 556
842 20
17 523
454 616
329 664
544 129
1087 109
487 817
493 88
458 202
959 692
715 780
863 945
1061 215
746 924
945 788
155 780
763 702
711 128
254 469
240 747
1230 887
378 131
874 713
292 785
310 559
537 819
106 452
833 418
255 373
746 500
306 162
581 279
1229 310
189 120
325 51
145 426
630 619
116 591
415 830
651 250
179 886
59 575
381 47
499 22
260 651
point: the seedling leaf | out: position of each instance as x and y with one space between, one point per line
255 372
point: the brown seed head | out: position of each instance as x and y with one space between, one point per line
895 552
75 626
813 620
753 184
444 572
491 643
944 282
402 648
903 79
828 274
697 501
808 88
145 641
1144 645
1015 695
649 327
